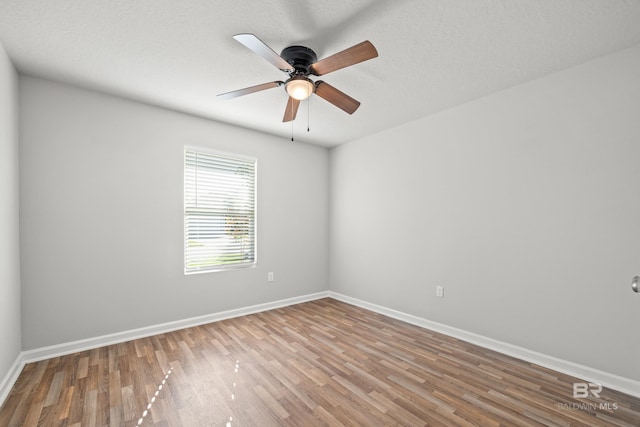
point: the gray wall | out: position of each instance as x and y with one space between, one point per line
10 333
102 221
524 205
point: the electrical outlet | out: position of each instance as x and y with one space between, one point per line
440 291
270 276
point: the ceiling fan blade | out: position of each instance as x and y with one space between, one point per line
259 47
353 55
291 110
338 98
248 90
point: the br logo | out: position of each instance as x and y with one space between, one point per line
582 390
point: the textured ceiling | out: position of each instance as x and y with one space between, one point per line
433 54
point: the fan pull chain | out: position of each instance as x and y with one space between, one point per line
289 100
308 112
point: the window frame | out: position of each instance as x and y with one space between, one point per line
226 156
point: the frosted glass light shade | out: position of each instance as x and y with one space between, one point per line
299 88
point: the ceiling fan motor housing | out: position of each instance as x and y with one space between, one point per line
301 58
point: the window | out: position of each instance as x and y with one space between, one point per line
219 211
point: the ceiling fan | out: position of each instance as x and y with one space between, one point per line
299 62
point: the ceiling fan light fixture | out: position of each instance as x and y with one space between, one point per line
299 87
299 62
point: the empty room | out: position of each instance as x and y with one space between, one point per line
319 213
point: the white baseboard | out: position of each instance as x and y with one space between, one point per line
118 337
49 352
586 373
10 379
582 372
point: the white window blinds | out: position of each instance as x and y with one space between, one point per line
219 211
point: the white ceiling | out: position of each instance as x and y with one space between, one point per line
434 54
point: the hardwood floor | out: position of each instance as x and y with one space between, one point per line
318 363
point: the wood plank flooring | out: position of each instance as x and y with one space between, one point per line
317 363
